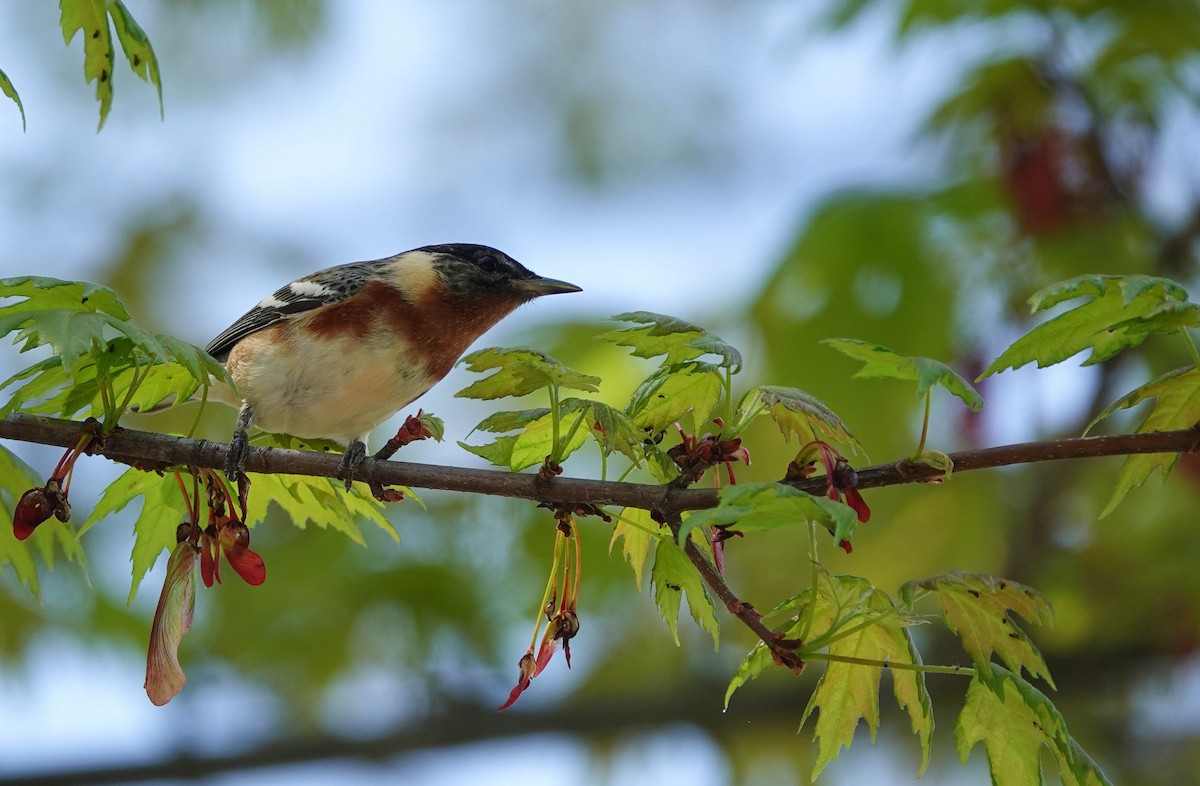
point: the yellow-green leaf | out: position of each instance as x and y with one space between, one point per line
638 532
672 393
979 610
1177 406
1015 721
847 692
795 412
673 577
91 18
520 371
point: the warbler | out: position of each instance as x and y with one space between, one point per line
334 354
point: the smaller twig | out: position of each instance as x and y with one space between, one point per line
960 671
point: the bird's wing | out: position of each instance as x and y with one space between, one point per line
304 294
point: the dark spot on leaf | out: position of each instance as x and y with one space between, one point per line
96 33
1014 635
674 587
1004 585
137 61
84 299
974 592
104 75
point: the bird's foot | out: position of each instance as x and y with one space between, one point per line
354 456
235 460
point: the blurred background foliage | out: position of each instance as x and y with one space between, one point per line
1059 140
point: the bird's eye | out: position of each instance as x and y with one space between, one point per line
488 263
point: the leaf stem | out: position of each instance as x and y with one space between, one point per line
1191 345
554 423
924 427
958 671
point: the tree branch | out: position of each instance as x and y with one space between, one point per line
158 451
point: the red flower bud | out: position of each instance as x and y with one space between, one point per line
33 508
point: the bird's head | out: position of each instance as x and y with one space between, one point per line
471 271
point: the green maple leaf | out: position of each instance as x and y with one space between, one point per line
612 428
752 507
848 692
674 576
851 618
154 529
1015 721
70 316
672 392
323 502
536 440
136 46
795 412
637 532
519 372
882 362
75 319
979 610
1121 311
91 18
1177 406
672 337
6 87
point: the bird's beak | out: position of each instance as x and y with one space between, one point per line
536 287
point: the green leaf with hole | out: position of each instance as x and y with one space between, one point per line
136 46
979 609
672 392
520 371
90 17
881 362
1119 312
6 87
1015 721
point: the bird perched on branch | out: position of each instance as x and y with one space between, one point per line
334 354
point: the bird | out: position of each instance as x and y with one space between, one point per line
334 354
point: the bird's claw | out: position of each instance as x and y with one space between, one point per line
235 460
353 457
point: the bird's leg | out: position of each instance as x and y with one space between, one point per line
354 455
239 444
